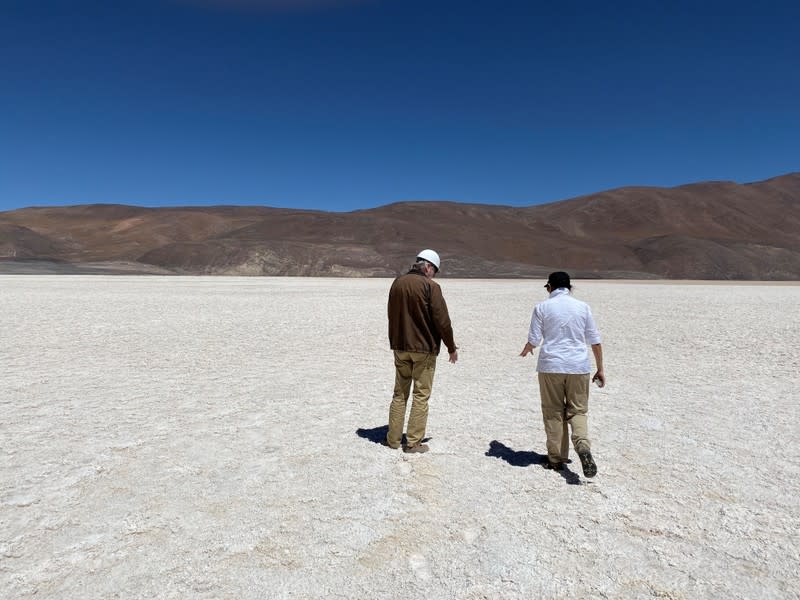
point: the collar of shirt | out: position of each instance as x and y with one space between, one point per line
559 292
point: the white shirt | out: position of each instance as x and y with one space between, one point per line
566 325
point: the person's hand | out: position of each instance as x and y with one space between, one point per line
454 356
599 378
527 349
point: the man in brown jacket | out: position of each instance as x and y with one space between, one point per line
418 323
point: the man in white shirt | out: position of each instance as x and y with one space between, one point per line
562 326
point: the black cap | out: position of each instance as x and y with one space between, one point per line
559 279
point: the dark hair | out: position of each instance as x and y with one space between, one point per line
559 279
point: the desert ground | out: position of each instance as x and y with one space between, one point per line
191 437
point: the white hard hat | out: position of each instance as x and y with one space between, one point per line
431 256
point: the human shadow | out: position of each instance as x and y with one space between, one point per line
516 458
522 458
377 435
569 476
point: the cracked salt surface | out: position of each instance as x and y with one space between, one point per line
215 438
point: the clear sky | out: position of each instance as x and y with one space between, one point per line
345 104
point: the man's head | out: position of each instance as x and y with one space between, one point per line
428 262
556 280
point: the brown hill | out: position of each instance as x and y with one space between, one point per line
714 230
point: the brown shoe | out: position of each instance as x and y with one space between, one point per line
419 448
386 443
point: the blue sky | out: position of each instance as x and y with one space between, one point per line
347 104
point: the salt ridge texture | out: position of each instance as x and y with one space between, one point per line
216 438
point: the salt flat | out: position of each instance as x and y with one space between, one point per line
215 438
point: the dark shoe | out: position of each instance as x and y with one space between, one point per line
588 464
385 443
554 466
418 449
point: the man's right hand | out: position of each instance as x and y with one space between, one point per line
453 356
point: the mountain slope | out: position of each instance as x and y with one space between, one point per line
713 230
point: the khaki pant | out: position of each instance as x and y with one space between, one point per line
565 402
419 368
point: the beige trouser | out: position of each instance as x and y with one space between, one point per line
419 368
565 402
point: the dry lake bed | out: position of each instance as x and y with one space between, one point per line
190 437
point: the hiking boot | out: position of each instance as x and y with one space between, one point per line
588 464
385 443
554 466
418 449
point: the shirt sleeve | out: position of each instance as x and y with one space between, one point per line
591 334
535 331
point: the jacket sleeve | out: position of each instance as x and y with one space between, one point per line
441 318
389 309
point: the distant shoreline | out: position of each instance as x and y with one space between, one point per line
47 268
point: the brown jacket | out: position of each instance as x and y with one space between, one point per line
418 317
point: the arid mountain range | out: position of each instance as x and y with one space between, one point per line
714 230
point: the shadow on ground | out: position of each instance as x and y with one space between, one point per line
377 435
570 477
516 458
526 458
